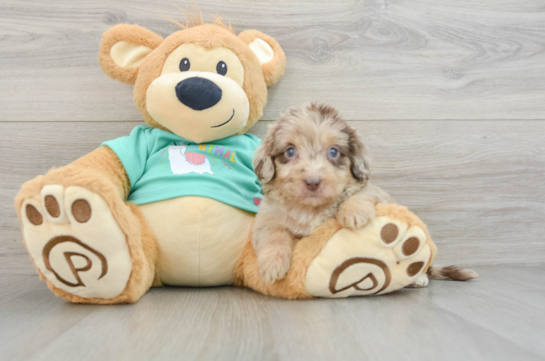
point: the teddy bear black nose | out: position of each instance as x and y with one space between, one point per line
198 93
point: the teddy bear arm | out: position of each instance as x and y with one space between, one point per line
105 161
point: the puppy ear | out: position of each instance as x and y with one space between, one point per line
122 49
359 161
263 162
268 52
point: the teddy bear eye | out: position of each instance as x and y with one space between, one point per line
185 64
221 68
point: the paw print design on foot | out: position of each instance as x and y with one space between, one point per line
382 257
75 241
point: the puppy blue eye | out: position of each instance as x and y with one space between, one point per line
333 152
290 152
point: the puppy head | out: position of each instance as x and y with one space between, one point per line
310 156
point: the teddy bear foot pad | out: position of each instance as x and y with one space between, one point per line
75 241
381 257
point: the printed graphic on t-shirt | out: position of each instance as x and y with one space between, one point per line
182 161
212 159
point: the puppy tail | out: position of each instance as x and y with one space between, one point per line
452 273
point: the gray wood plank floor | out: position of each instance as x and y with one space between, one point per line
497 317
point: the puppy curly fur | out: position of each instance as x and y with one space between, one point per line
313 168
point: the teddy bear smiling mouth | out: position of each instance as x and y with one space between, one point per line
219 125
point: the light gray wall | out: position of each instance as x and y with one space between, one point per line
449 96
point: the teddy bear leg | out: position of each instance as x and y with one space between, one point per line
293 285
389 253
88 245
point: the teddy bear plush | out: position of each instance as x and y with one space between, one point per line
173 202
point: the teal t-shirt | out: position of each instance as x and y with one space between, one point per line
162 165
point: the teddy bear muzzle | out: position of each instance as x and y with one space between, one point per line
198 106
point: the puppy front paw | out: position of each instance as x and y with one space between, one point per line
273 265
352 215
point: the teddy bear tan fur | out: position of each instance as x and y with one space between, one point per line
101 170
209 36
102 173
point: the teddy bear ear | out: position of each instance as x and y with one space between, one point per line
122 49
268 52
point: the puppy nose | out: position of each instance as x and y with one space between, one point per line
198 93
312 183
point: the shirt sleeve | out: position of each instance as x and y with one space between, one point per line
133 151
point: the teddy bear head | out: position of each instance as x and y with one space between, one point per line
202 83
